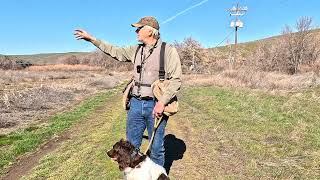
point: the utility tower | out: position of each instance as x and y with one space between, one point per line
236 23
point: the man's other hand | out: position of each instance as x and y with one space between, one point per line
158 109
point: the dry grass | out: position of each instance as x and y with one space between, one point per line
254 80
28 96
65 67
19 108
11 77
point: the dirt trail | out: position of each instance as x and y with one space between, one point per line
29 161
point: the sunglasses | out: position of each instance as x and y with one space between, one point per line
138 29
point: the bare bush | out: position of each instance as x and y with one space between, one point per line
192 55
69 59
303 46
290 51
97 59
8 63
266 57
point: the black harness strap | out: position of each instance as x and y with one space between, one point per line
135 55
162 72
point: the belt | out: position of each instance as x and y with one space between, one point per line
147 98
142 84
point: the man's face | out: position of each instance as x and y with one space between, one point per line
142 34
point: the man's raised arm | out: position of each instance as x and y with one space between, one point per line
121 54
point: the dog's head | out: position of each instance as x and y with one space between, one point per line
125 154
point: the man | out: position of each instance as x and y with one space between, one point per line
145 57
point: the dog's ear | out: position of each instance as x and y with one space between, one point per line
124 159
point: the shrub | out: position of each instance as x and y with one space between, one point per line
192 55
69 59
7 63
290 51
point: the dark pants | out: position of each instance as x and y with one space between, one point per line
139 118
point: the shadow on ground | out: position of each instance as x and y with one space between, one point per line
174 150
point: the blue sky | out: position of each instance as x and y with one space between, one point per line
46 26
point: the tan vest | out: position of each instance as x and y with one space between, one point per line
149 72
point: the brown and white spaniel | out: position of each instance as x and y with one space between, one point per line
135 165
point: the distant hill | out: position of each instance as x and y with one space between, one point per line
45 58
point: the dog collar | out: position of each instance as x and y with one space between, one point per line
135 152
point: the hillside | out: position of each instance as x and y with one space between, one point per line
45 58
248 47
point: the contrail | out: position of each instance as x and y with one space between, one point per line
184 11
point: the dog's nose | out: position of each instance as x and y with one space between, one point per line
109 153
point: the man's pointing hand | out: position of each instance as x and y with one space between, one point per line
82 34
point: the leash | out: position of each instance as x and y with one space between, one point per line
155 126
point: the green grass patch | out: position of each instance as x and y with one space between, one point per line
27 140
278 134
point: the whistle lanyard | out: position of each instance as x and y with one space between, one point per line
142 62
140 73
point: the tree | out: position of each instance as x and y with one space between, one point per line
302 46
191 54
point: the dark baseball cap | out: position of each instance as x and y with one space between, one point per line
148 20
